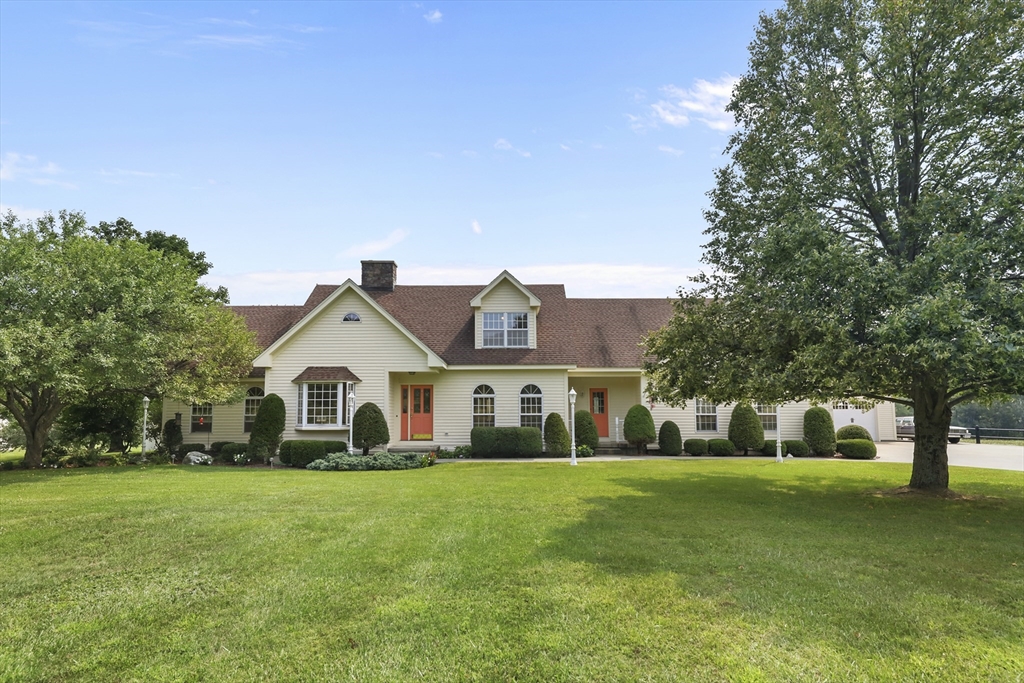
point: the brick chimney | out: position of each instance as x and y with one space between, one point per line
379 275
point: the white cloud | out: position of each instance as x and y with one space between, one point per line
505 146
433 17
476 227
469 153
15 166
670 150
593 280
705 102
436 155
22 212
565 147
367 249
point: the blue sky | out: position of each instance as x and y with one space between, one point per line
566 142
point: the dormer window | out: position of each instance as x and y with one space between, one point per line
350 318
506 330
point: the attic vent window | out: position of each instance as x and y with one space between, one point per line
350 318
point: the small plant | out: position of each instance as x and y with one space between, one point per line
230 451
242 458
370 428
848 432
695 446
638 428
721 447
670 442
462 452
428 460
820 432
584 451
586 429
745 430
556 436
857 449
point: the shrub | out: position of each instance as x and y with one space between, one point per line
584 451
229 452
848 432
696 446
819 432
217 446
770 446
586 430
721 447
172 436
798 449
186 448
857 449
745 430
301 452
505 442
267 428
462 452
670 442
377 461
335 447
284 452
638 428
370 428
556 436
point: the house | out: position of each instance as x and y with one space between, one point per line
440 360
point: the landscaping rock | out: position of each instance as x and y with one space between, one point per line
197 458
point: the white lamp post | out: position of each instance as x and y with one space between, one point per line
778 440
351 414
145 419
572 421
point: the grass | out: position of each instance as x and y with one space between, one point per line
16 454
650 570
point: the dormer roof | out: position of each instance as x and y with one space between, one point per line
504 276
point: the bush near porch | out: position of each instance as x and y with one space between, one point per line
506 442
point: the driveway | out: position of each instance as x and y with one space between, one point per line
961 454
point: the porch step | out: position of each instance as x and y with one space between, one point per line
609 450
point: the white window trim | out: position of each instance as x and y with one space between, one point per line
342 423
245 406
192 416
472 404
763 411
541 414
504 329
701 408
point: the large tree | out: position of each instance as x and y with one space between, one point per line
84 316
865 236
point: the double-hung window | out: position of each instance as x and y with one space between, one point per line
323 404
769 416
707 416
202 417
503 330
531 407
253 398
483 406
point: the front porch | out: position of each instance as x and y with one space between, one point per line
607 395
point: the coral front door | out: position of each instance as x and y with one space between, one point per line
417 412
599 409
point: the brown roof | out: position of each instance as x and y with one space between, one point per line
584 332
608 331
324 374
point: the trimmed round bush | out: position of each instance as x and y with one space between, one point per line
820 432
335 447
745 430
229 450
301 452
370 428
852 432
857 449
556 436
670 442
216 446
186 448
696 446
798 449
586 429
638 428
721 447
505 442
267 428
770 446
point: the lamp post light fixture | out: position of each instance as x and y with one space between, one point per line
778 442
572 421
145 421
351 415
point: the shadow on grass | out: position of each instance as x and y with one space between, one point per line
814 556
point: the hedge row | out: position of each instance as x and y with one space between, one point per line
506 442
375 461
857 449
301 452
852 432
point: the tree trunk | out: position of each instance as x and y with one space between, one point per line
35 410
932 415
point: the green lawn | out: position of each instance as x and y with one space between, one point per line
16 454
649 570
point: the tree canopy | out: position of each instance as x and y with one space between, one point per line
84 316
865 234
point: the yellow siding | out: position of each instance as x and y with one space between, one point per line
227 421
623 394
370 348
505 298
886 421
453 400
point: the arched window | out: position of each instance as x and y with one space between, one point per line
531 407
350 318
253 398
483 406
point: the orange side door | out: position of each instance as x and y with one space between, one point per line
421 422
599 409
